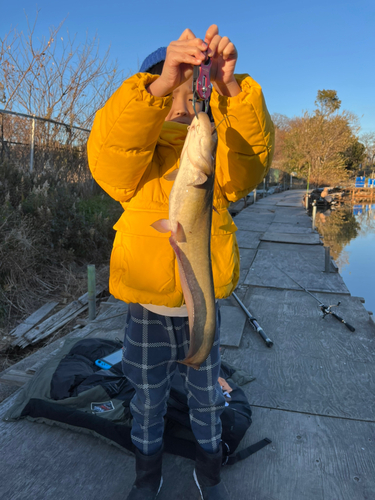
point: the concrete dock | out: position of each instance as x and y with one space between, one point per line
313 393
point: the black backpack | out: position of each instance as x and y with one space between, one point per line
235 419
70 389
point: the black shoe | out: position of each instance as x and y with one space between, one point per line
207 475
149 480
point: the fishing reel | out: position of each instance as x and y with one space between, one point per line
327 309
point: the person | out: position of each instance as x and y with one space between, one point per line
136 139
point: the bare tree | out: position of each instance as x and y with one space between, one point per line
282 126
368 140
55 77
281 122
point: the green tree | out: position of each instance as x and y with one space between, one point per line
327 102
354 155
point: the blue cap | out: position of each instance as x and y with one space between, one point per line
156 57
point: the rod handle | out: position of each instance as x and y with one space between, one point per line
350 327
253 322
261 332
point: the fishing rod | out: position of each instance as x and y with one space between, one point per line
325 309
254 323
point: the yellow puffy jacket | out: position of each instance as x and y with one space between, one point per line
131 148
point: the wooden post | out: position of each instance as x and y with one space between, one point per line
313 214
91 288
307 201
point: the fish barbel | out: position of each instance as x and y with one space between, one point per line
190 219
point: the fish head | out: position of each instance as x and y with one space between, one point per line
202 144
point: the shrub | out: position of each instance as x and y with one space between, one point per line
45 224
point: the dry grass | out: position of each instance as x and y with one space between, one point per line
50 228
53 222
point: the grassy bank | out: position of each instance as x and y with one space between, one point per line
50 229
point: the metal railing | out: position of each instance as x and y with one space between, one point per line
36 144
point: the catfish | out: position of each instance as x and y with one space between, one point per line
190 220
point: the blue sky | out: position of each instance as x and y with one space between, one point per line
293 49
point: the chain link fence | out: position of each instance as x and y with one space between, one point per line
39 145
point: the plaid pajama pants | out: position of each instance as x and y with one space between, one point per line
152 346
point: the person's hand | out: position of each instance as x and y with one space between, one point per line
182 55
189 51
224 57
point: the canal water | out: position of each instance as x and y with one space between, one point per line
349 231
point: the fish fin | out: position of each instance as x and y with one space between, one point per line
162 225
200 178
171 176
179 234
214 209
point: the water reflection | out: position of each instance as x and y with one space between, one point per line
337 228
366 217
349 231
